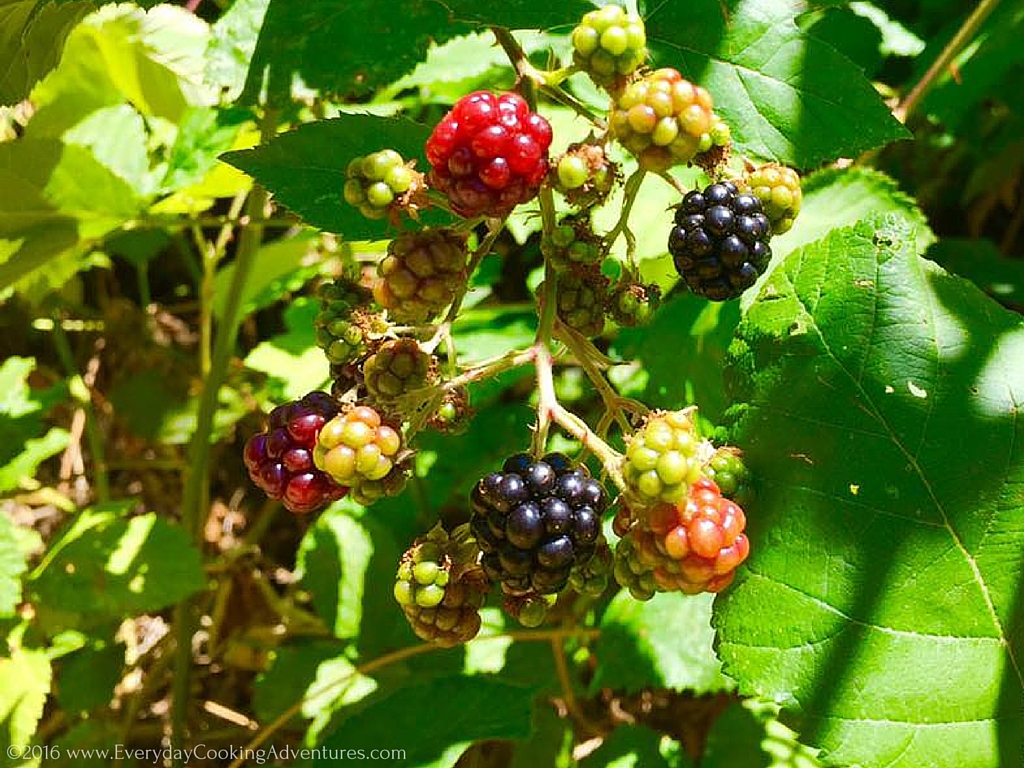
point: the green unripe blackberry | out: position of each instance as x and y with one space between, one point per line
346 324
581 296
633 303
727 469
585 175
441 587
609 44
530 609
662 458
663 119
454 413
398 367
591 577
778 189
573 242
374 182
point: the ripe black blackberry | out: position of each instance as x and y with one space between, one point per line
720 241
535 521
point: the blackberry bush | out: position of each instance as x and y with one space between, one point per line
535 521
720 241
280 460
489 154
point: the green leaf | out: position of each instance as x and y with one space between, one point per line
981 262
348 565
106 566
24 683
698 332
348 48
12 565
203 135
292 360
897 40
86 678
786 96
836 198
851 34
665 642
882 598
121 54
58 199
459 709
232 44
305 168
636 746
32 36
26 445
734 741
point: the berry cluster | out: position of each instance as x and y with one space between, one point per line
441 587
535 527
358 449
489 154
720 242
535 521
609 44
663 458
778 189
585 175
346 325
664 120
691 546
421 274
280 460
376 181
572 241
398 367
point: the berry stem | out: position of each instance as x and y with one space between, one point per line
548 82
549 409
629 195
388 659
613 402
953 48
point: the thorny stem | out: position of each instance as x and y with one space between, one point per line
630 190
970 26
548 82
411 651
92 433
196 493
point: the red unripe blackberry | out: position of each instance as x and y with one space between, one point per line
719 243
441 587
280 460
535 521
694 545
489 154
421 274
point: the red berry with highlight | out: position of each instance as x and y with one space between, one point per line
489 153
